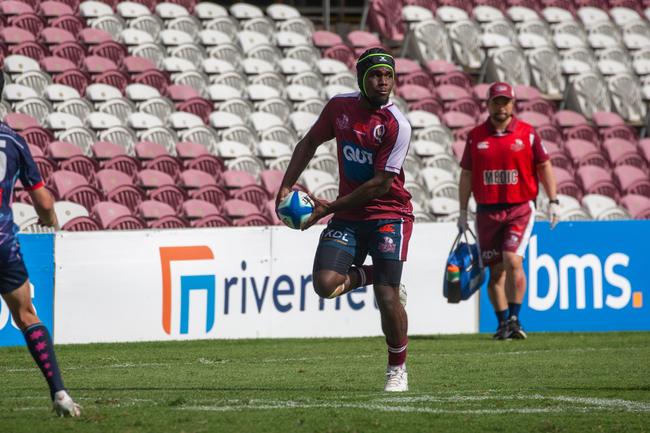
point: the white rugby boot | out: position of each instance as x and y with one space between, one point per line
63 405
396 378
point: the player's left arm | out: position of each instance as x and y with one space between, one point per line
374 188
546 176
543 166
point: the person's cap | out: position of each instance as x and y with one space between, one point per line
501 89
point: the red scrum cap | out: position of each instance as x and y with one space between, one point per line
501 89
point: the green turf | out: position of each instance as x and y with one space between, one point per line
549 383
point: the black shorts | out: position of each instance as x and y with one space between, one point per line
12 275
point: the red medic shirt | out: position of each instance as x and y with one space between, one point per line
504 164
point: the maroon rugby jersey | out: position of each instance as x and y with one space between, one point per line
504 165
367 141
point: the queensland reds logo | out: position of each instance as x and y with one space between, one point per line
378 132
343 122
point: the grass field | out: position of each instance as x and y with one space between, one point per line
549 383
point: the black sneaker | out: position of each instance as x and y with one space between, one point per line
502 331
515 330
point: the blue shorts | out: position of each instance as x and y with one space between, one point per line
13 273
385 239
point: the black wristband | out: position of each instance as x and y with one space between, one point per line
554 201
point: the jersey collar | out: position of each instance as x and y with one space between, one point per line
510 128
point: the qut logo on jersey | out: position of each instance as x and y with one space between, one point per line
188 284
619 296
357 162
356 154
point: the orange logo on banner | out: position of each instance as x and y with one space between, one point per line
168 255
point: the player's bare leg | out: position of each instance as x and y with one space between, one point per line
394 324
41 348
515 292
498 298
331 284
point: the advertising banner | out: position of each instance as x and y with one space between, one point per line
38 253
584 276
243 282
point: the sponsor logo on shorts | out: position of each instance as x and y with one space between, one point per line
482 145
517 145
336 235
388 228
387 245
489 254
500 177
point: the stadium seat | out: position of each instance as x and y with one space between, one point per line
637 205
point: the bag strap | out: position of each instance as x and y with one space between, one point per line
464 233
456 241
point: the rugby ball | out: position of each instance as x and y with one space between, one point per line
295 209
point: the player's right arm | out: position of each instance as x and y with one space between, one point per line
44 205
302 154
321 131
33 182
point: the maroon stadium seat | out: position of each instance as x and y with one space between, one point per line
10 8
632 180
170 194
150 179
150 210
55 36
257 219
385 17
55 64
15 35
136 65
342 53
211 193
91 36
271 181
457 119
584 152
27 21
413 92
20 121
72 186
597 180
253 194
568 118
211 221
81 224
323 39
637 205
361 40
193 209
565 183
73 78
111 50
168 222
165 163
71 23
146 150
234 179
605 119
114 216
181 92
195 179
623 152
32 50
583 132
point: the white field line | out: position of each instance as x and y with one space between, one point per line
401 404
